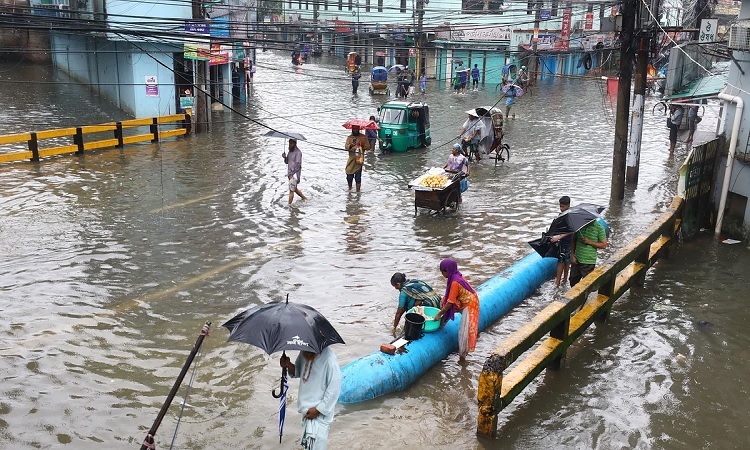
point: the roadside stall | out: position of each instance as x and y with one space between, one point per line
437 190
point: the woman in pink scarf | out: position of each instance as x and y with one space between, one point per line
460 297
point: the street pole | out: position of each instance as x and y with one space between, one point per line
534 42
418 41
636 126
619 154
201 102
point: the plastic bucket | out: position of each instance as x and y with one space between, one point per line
413 327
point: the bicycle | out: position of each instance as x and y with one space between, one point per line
473 151
499 151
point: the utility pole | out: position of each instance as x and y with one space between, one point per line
534 42
418 41
202 103
636 126
620 152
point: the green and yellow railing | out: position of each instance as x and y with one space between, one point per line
81 139
565 320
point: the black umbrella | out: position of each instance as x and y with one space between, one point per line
545 247
281 326
285 135
569 221
574 218
278 326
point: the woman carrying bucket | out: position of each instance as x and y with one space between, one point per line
412 293
460 297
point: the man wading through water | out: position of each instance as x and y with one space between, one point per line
293 161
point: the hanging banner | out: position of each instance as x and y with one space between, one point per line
589 23
564 42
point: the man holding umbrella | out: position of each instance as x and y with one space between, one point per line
281 326
586 242
319 387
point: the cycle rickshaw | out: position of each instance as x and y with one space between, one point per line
491 142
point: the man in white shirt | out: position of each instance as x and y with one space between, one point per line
471 133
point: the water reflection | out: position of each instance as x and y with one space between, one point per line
356 225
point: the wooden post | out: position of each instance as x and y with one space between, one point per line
155 129
78 140
34 147
488 395
118 134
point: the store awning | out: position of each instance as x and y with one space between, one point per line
704 87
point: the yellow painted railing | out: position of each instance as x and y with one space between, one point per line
85 138
565 320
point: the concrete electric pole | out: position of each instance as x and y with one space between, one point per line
636 125
623 101
418 41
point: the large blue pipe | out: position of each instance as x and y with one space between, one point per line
378 373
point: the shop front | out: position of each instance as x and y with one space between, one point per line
457 49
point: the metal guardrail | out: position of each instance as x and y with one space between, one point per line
79 144
567 319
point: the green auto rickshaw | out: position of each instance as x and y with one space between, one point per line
404 125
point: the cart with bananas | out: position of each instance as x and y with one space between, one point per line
437 190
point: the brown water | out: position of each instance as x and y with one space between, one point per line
112 263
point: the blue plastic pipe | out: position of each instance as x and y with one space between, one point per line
378 373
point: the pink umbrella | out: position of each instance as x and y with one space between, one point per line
519 90
363 124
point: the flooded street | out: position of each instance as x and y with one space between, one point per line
112 263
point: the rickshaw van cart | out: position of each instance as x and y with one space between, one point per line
446 199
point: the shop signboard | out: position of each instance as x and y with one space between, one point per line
220 27
491 34
545 41
219 54
707 31
196 47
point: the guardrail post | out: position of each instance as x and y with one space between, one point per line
488 395
187 124
155 130
34 147
642 258
118 135
560 332
608 290
78 140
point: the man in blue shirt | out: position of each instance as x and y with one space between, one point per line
463 78
475 77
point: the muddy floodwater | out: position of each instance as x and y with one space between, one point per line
112 262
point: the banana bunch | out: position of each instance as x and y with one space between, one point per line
434 181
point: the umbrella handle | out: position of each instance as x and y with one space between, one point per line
281 387
283 373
